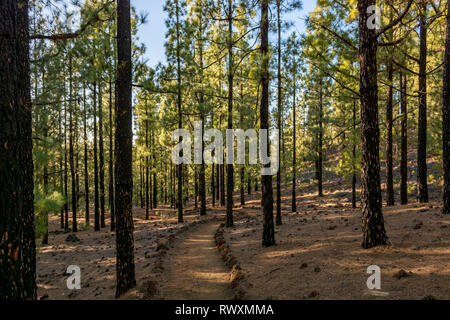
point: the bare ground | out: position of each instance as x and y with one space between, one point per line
95 255
317 256
318 253
195 270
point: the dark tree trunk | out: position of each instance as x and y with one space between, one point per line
180 116
249 184
294 148
195 188
17 236
96 194
66 174
125 271
354 158
111 162
242 186
230 169
446 118
278 216
213 183
202 185
146 170
101 159
149 186
86 171
155 184
71 153
266 180
242 170
320 144
389 162
422 187
404 147
61 167
374 233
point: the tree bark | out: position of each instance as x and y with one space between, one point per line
17 236
125 271
389 162
96 193
86 169
202 186
71 152
354 158
111 162
374 233
320 144
404 138
422 187
446 118
294 147
266 180
230 169
180 116
279 111
101 158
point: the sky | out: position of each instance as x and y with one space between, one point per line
152 34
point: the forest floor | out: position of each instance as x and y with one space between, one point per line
318 254
94 253
195 270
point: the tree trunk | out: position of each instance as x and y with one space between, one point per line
422 187
66 173
389 162
446 118
180 116
17 236
101 158
61 166
404 138
320 144
111 162
213 183
96 194
374 233
86 171
354 158
202 186
294 148
146 171
266 180
195 188
71 153
278 216
230 170
155 184
125 271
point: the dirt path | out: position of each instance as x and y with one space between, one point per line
195 270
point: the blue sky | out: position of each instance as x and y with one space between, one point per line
152 34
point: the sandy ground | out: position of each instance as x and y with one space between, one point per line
95 255
194 268
318 253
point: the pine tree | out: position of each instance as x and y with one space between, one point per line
125 271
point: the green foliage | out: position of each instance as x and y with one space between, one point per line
44 205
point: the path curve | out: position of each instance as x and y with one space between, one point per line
194 268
